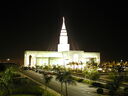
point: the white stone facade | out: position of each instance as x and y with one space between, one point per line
62 57
42 58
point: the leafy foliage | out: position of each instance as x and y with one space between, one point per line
92 74
117 79
47 79
97 84
100 91
6 81
66 78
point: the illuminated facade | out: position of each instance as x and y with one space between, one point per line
63 40
63 57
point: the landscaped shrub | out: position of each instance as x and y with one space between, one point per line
87 81
111 93
100 91
115 83
76 78
2 92
126 76
92 74
97 84
126 91
80 80
16 74
114 89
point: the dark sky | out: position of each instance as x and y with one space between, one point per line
99 25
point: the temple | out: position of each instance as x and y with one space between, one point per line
62 57
63 40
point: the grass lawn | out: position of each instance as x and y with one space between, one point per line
22 86
23 95
25 87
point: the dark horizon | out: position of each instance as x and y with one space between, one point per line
99 26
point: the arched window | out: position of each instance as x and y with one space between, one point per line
30 59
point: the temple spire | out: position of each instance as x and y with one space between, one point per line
63 39
63 26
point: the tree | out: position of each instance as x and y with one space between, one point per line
47 79
117 79
59 77
67 79
56 69
117 76
6 80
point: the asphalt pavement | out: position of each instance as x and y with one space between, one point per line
79 89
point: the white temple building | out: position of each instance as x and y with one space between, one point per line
62 57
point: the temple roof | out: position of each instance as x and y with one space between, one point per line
63 25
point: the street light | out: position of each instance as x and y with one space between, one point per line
8 59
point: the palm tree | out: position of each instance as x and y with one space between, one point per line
67 79
117 79
56 69
47 79
59 77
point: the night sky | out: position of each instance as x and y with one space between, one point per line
99 25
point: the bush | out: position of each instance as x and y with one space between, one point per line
16 75
100 91
97 84
2 92
87 81
126 78
111 93
126 91
92 74
80 80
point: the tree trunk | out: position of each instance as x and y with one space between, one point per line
61 89
7 89
66 89
45 90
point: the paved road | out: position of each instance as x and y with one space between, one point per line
79 89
